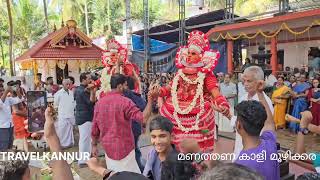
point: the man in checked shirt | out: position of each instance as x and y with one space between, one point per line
112 126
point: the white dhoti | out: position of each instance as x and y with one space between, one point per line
128 163
64 129
237 146
223 122
85 139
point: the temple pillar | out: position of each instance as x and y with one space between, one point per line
274 57
230 56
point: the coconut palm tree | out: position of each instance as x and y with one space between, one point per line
29 16
46 13
10 37
3 30
128 25
73 9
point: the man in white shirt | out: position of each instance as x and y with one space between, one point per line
253 81
229 90
64 102
241 89
6 124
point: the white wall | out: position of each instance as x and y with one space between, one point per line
295 54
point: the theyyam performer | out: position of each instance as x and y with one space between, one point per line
115 60
192 97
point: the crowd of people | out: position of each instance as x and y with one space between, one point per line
180 112
255 127
291 92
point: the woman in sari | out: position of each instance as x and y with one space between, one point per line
280 99
314 98
300 102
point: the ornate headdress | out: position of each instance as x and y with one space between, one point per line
199 42
113 46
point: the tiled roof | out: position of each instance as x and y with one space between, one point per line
43 49
70 52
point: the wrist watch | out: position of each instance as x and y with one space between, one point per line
106 174
304 131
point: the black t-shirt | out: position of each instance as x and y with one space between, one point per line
84 107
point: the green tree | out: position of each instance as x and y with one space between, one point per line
108 17
248 7
137 11
79 10
216 4
4 34
11 37
28 15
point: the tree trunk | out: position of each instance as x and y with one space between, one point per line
128 26
86 16
46 13
1 46
10 38
108 16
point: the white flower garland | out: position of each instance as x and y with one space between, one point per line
105 81
199 94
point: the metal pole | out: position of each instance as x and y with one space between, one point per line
146 34
182 23
229 11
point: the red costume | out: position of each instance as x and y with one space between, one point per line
115 48
192 92
113 54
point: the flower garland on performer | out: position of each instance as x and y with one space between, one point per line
105 81
199 94
193 95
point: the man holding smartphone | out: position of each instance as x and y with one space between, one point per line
85 96
6 124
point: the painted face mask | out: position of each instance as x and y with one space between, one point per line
197 54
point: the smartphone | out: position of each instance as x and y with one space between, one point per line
36 104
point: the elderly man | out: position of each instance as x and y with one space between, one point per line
253 81
64 102
229 90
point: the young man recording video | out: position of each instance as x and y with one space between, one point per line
6 124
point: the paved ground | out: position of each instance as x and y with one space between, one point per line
287 140
224 144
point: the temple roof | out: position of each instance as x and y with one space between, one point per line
67 43
294 20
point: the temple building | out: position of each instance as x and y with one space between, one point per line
64 52
289 37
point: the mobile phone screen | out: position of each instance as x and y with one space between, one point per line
37 104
